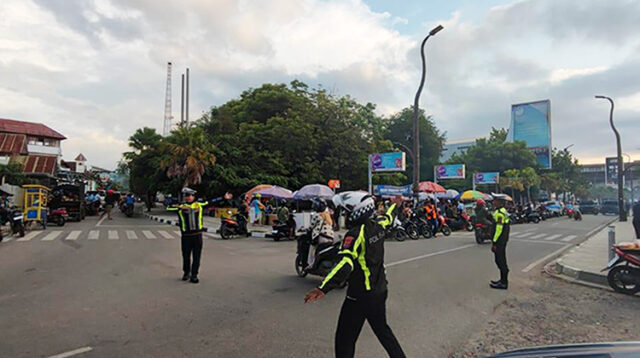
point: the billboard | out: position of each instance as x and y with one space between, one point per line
611 170
390 190
487 178
452 171
531 123
387 162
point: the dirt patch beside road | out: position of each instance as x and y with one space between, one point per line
550 311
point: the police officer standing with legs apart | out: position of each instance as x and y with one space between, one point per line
190 214
361 264
500 238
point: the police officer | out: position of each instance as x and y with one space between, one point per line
191 226
500 238
361 264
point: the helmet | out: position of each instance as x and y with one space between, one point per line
358 204
480 202
258 195
188 191
110 191
318 205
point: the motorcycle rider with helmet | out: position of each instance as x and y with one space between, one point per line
362 266
321 230
482 214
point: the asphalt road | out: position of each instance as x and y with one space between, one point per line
112 289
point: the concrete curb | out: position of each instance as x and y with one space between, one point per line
557 269
208 229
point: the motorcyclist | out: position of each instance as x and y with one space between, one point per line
321 230
482 214
361 264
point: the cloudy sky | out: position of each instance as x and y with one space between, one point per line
95 70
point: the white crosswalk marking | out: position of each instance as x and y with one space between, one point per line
29 236
113 235
525 234
148 234
538 236
131 235
552 237
52 236
568 238
73 235
94 234
165 234
7 239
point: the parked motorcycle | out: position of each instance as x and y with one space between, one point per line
463 222
235 226
15 218
396 231
422 226
410 228
92 207
483 232
442 226
326 257
624 269
58 216
282 230
127 209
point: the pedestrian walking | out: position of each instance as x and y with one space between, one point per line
256 209
636 218
109 202
500 238
190 214
361 264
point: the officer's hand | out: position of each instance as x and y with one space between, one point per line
397 200
493 248
313 295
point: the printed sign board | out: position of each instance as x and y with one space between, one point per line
452 171
388 162
391 190
487 178
531 123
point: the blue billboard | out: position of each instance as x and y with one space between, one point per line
531 123
387 162
487 178
391 190
452 171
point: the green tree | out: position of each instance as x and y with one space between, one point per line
512 179
13 173
529 179
187 153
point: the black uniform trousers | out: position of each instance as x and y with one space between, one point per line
191 244
352 315
500 255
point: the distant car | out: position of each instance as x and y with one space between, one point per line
554 207
590 207
610 207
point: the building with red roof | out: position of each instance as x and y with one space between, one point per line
34 145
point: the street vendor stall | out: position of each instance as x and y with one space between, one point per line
71 197
35 204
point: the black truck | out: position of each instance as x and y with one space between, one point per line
70 197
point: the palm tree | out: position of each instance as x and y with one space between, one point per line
512 179
188 153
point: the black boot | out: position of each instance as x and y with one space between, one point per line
186 276
495 282
499 286
194 279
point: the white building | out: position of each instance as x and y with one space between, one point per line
456 146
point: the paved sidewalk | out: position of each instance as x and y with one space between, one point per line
585 261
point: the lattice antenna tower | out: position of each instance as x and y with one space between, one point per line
166 129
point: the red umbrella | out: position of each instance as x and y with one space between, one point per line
431 187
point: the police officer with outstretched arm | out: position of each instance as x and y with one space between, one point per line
500 238
190 214
361 264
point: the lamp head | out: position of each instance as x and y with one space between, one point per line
435 30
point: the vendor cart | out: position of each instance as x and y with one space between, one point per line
35 205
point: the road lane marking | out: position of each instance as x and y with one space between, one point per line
52 236
538 262
7 239
101 220
537 236
131 235
568 238
73 235
29 236
525 234
94 234
538 241
113 235
165 234
552 237
594 230
148 234
428 255
72 353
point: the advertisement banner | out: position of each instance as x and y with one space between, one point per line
391 190
452 171
611 165
388 162
531 123
487 178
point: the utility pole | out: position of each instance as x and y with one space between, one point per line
621 208
187 96
182 101
166 128
416 112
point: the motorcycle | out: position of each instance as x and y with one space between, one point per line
442 226
326 257
396 231
577 215
463 222
93 207
58 216
624 269
281 230
410 228
422 226
16 220
127 209
483 232
234 226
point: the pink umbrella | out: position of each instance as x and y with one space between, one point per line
275 192
431 187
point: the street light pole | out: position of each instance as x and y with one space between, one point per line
416 110
623 213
